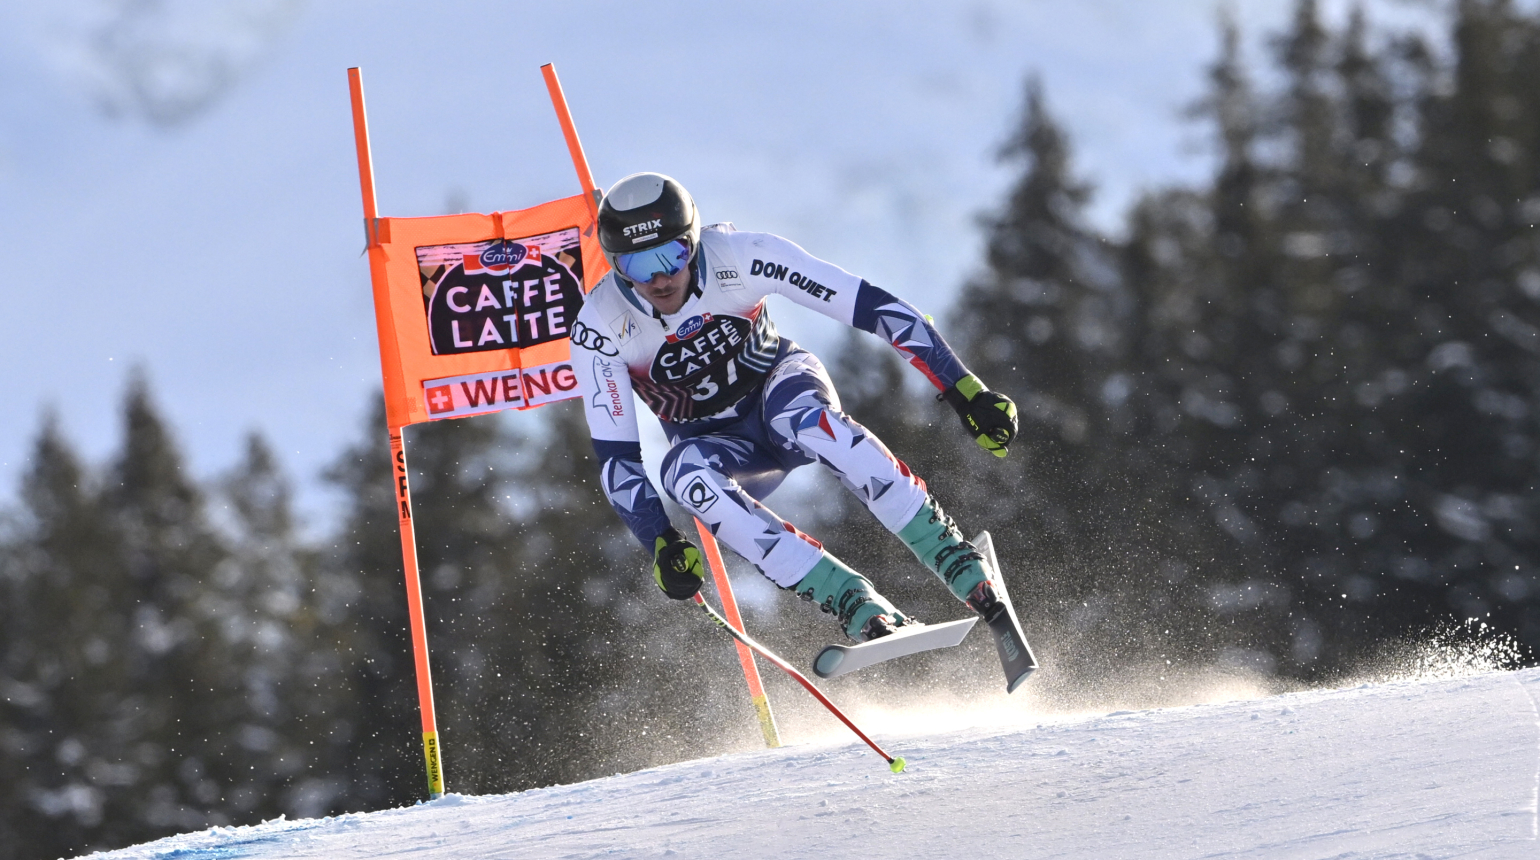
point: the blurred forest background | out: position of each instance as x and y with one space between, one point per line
1283 420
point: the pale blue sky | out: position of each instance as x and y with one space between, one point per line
221 252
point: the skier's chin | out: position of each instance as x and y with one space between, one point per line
668 302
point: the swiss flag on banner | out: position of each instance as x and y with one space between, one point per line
440 399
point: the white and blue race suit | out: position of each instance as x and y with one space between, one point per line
741 405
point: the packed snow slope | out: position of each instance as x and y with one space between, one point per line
1408 769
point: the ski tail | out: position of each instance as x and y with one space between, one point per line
1016 656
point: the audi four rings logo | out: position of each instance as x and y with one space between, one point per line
587 338
727 274
699 496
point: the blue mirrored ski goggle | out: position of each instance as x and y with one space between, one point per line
641 266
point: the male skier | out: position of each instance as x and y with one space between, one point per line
681 322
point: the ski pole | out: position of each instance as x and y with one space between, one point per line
895 764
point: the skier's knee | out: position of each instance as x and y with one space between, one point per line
690 480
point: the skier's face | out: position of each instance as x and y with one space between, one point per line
667 292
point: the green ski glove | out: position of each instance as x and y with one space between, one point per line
676 565
989 417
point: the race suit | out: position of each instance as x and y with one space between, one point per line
741 405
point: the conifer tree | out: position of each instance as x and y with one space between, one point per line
1041 325
1471 263
289 744
1078 508
1343 339
125 678
71 727
180 668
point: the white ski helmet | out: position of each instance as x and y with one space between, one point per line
646 210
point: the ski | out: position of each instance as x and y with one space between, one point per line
837 660
1015 654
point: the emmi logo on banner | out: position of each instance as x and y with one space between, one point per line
457 396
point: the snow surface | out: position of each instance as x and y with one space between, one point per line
1447 768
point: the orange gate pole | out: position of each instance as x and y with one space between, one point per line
745 656
574 146
389 370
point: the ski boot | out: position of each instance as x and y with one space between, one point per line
863 613
935 541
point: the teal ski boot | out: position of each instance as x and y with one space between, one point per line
865 614
934 539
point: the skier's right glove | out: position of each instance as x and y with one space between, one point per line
989 417
676 565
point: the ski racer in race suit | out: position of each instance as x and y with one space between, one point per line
681 322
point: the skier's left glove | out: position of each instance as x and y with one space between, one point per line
676 565
989 417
